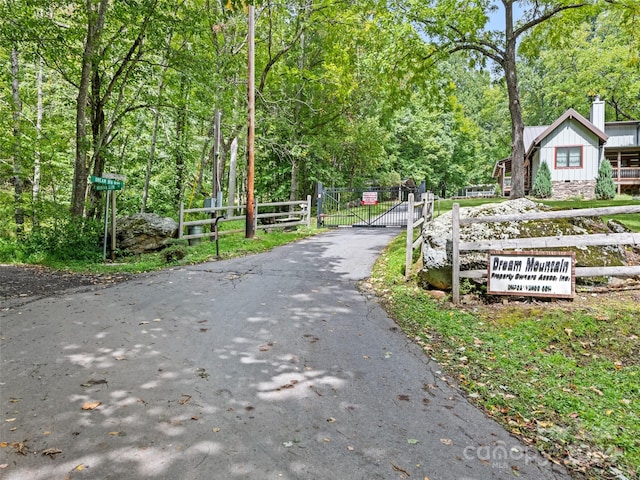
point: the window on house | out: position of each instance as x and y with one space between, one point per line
568 157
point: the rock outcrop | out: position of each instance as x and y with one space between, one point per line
144 232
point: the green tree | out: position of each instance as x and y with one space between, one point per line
456 25
605 187
565 74
542 187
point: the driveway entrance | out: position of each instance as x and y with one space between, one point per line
364 207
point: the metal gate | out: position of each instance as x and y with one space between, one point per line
363 207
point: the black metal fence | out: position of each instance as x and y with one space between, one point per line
363 207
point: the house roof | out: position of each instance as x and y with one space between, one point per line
568 115
533 136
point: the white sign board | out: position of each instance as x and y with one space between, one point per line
537 274
369 198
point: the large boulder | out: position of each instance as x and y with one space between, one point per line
145 232
436 254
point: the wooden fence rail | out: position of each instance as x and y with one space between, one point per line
426 215
298 213
540 242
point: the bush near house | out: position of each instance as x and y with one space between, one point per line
542 187
605 187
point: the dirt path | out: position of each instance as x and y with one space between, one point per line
36 281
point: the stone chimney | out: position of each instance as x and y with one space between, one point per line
597 113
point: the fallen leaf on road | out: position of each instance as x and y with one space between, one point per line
216 429
52 452
412 441
91 383
90 405
19 447
185 399
400 469
446 441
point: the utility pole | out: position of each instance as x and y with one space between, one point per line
251 94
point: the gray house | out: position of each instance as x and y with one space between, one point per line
573 148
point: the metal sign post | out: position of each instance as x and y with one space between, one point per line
106 226
109 182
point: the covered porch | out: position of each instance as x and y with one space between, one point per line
625 162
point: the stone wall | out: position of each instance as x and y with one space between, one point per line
574 189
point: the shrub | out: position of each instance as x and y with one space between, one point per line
66 239
542 184
605 187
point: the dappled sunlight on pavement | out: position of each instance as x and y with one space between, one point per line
271 366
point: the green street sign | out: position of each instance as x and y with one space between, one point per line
107 187
99 181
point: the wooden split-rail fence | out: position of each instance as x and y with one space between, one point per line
298 212
559 241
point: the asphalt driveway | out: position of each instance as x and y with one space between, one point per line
272 366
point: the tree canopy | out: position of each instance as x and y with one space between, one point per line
348 93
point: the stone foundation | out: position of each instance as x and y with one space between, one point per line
575 189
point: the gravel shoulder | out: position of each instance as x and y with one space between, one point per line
28 281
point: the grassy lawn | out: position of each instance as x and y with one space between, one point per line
631 221
564 376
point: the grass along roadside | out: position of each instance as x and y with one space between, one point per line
564 376
181 253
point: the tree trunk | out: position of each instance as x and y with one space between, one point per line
95 26
517 125
17 155
233 162
181 127
35 191
98 127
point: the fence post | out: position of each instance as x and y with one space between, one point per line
455 252
181 220
319 204
308 211
255 215
409 250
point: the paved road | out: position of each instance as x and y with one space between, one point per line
272 366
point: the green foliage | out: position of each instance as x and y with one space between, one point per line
605 187
63 240
542 187
176 250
